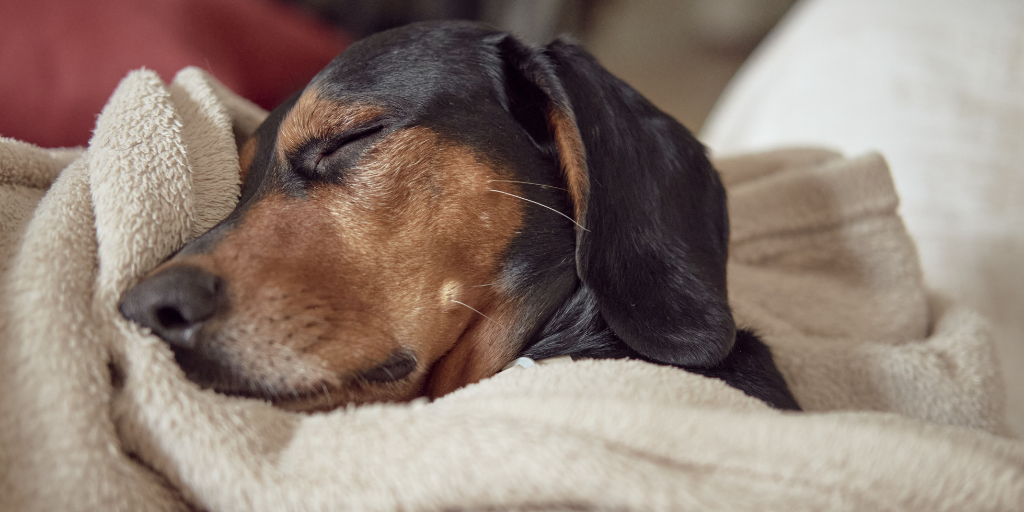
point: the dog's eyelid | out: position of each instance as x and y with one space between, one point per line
337 152
350 139
353 135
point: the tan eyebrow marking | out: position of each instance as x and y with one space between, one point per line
314 117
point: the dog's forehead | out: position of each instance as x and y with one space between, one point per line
411 64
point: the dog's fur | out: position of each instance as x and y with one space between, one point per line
440 200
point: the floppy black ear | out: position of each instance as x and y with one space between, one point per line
654 232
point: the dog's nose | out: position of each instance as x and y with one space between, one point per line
175 303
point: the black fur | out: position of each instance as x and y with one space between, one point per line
649 269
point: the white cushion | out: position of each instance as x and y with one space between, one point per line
938 88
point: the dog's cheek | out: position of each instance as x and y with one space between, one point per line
351 291
477 214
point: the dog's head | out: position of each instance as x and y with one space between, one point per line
414 216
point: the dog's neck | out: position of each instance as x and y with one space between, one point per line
577 329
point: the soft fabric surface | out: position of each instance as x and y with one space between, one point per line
937 88
904 404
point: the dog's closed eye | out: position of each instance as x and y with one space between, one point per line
323 159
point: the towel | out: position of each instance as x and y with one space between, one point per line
903 402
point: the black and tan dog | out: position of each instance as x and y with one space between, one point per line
440 200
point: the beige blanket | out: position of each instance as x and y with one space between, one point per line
904 406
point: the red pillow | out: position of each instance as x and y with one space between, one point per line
61 59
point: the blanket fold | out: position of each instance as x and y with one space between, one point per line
903 401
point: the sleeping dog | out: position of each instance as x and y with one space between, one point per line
440 200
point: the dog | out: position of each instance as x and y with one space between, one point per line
440 200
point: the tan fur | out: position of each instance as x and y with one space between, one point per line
574 160
315 118
328 286
246 155
481 351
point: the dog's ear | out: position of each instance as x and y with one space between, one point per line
653 230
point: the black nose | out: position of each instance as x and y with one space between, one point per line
175 303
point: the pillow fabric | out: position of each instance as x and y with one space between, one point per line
936 88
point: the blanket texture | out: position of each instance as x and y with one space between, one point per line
903 402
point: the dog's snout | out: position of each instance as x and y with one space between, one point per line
175 303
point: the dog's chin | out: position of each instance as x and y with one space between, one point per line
309 404
399 377
362 394
326 398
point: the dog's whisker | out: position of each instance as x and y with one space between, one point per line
330 404
266 389
528 183
542 205
479 313
482 285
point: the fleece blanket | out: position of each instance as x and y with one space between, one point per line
903 402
